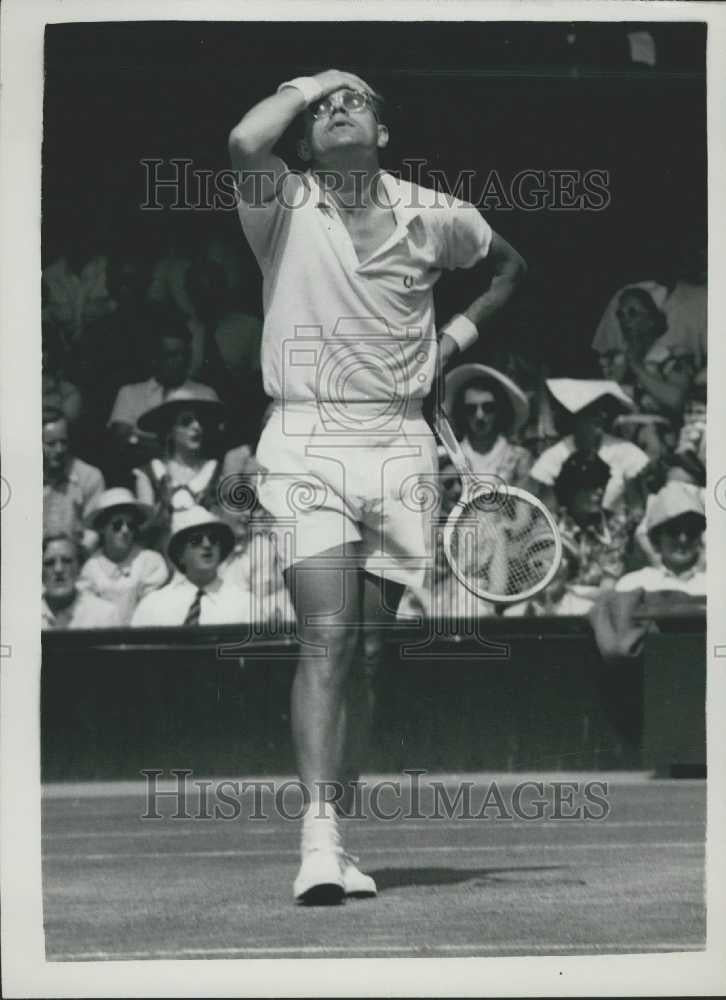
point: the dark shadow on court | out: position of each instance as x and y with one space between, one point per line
396 878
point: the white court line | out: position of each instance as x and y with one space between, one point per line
124 788
413 950
407 849
403 826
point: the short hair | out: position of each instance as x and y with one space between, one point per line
64 536
51 415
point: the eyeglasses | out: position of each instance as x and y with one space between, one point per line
488 408
120 522
187 418
199 537
351 100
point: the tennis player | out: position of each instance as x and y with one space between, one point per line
349 256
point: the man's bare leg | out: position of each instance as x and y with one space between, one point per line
379 602
327 605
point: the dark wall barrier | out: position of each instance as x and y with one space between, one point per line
525 695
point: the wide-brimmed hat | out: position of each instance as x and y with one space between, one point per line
185 522
457 380
675 499
114 499
160 418
577 393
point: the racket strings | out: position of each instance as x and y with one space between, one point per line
502 546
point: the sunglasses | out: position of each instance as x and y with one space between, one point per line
488 408
350 100
675 528
121 522
187 418
198 538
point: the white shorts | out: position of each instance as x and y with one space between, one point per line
326 487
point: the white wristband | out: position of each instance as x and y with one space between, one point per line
462 331
308 87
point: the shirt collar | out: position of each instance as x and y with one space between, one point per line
688 575
400 196
70 474
211 589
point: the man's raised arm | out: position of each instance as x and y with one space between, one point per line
252 140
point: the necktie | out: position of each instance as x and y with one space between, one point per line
195 607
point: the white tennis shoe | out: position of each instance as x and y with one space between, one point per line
327 873
320 879
356 882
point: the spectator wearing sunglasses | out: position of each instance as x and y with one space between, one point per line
488 408
121 571
676 521
196 594
189 474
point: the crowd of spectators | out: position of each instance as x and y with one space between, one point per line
153 404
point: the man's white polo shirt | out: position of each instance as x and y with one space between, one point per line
340 328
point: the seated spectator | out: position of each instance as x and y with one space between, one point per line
58 393
196 594
682 298
592 406
73 287
121 571
254 566
557 598
658 372
188 474
65 605
170 365
608 339
487 408
599 537
681 467
70 485
676 520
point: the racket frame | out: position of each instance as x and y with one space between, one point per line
468 478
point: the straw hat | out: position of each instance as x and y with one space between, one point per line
160 418
676 498
577 393
457 379
185 522
116 498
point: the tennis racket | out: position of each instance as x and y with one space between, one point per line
501 542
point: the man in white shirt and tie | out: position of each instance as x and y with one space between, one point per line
196 594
